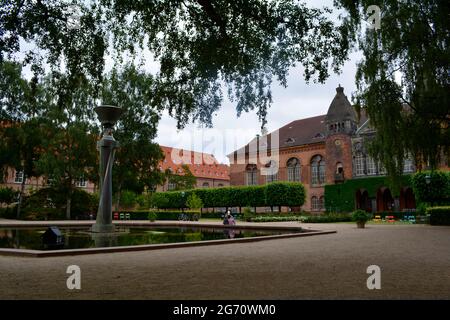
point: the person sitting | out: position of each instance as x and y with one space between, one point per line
231 220
225 220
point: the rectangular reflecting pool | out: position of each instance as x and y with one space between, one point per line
82 238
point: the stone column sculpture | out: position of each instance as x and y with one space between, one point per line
108 116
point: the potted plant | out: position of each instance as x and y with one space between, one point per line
361 217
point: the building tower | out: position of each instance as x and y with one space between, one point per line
341 123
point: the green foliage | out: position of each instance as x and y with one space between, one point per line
328 218
49 204
128 199
439 216
341 197
275 218
182 181
360 216
152 216
248 214
437 191
411 118
199 45
8 212
137 159
8 195
292 194
194 202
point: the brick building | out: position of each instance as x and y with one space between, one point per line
204 166
326 149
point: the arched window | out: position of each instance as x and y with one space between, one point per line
321 203
293 169
317 170
408 165
358 161
251 174
205 185
339 168
314 204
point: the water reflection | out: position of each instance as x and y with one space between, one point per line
78 238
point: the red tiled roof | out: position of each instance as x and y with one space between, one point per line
202 165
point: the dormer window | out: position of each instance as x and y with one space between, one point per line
290 140
318 136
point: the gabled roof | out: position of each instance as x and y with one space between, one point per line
202 165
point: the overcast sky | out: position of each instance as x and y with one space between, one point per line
299 100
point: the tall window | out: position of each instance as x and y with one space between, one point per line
317 170
315 204
321 203
171 185
251 175
18 177
382 169
293 169
271 178
408 165
371 167
359 164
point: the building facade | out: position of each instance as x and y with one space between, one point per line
208 172
319 151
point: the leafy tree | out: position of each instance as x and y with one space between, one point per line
411 117
200 45
70 152
22 104
184 180
137 159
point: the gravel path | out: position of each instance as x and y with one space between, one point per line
414 262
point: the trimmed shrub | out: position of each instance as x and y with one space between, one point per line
272 194
439 216
276 219
247 214
437 191
329 218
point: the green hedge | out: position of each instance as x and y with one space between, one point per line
439 216
276 218
327 218
272 194
168 215
341 197
436 192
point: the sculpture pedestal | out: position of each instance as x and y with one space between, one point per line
106 146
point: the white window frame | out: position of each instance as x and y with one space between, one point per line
18 177
359 164
371 166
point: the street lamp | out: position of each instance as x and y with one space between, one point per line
108 116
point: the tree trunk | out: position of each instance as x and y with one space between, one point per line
68 207
119 191
22 190
69 203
